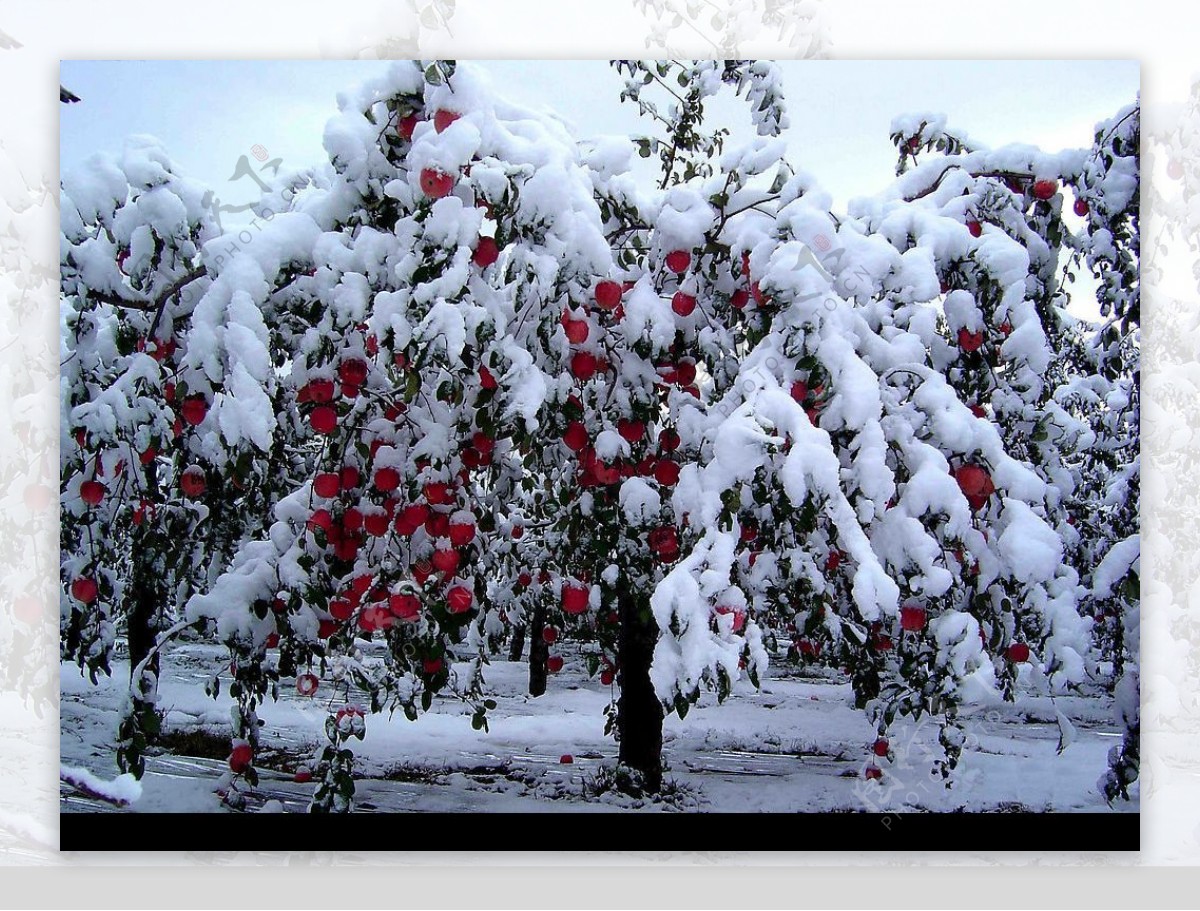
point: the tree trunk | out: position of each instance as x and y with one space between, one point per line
639 713
517 645
539 651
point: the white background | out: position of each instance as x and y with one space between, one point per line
1159 35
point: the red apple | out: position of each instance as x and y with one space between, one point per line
668 440
411 518
353 371
326 484
880 748
524 579
554 664
462 532
975 228
833 561
148 455
435 184
323 419
683 304
387 479
240 758
306 684
445 561
799 390
1045 189
608 295
679 260
912 618
405 606
487 251
302 776
1017 653
192 482
407 125
432 666
194 409
443 119
326 629
92 492
84 589
566 759
459 599
873 773
969 341
666 472
576 329
549 635
740 298
574 599
607 676
320 519
631 431
439 493
583 365
1081 206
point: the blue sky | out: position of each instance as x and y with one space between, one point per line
209 113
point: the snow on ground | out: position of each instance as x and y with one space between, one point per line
798 745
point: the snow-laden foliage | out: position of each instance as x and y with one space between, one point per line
475 379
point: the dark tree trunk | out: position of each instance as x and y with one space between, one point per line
517 645
639 713
539 651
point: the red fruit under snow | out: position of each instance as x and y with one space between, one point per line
84 589
975 228
92 492
683 304
459 599
194 409
574 599
799 390
353 371
387 479
302 776
318 391
873 773
326 629
666 472
240 758
880 748
407 125
554 664
679 260
341 609
525 579
487 251
436 184
462 533
566 758
411 518
549 635
974 481
438 493
583 365
576 329
969 341
486 379
833 561
685 373
1044 189
1081 207
740 298
307 684
323 419
445 561
632 431
148 456
438 525
912 618
668 440
607 676
192 481
1017 653
326 484
320 519
443 119
608 295
405 606
576 437
431 666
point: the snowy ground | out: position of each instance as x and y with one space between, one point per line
796 745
